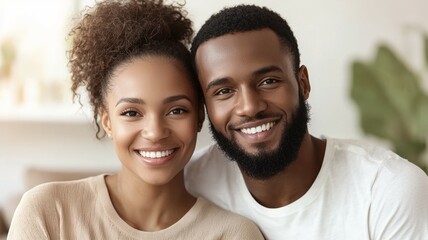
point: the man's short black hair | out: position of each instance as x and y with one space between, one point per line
243 18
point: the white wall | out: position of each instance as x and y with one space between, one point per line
331 33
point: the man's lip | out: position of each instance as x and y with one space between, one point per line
255 123
259 129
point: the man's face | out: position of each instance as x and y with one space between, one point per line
254 99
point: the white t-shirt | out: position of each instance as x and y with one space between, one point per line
361 192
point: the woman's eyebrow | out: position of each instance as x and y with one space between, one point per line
175 98
130 100
141 101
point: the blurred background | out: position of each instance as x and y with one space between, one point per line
367 63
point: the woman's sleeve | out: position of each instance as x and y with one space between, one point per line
33 216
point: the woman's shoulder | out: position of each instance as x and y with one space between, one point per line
63 190
44 208
232 223
217 212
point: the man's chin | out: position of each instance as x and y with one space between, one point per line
257 149
250 149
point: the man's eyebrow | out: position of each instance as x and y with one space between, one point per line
267 69
216 82
130 100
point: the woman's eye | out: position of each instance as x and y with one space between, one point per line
129 113
177 111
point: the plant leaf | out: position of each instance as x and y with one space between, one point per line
426 49
391 102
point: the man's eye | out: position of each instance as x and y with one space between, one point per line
223 91
269 81
177 111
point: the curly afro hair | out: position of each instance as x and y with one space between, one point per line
115 31
243 18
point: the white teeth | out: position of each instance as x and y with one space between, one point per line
155 154
258 129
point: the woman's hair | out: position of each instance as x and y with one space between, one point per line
114 32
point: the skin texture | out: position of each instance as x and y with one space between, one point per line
248 80
151 106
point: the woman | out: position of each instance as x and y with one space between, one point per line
131 58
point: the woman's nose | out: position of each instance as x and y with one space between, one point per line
154 129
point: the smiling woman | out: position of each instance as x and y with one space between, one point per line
131 57
153 126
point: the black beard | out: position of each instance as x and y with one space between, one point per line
266 164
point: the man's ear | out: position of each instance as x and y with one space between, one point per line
305 86
105 121
201 117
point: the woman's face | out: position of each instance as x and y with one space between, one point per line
152 116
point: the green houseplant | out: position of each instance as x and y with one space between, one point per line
392 102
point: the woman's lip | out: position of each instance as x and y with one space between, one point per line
156 153
157 161
153 148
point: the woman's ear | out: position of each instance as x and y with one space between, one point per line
305 86
201 117
105 121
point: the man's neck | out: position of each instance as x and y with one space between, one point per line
292 183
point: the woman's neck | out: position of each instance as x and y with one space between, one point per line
149 207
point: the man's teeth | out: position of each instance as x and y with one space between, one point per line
258 129
156 154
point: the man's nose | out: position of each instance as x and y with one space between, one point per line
249 103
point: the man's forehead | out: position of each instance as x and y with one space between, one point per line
253 47
240 39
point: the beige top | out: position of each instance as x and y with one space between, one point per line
82 209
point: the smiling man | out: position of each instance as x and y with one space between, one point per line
267 166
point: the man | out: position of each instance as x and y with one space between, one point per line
292 184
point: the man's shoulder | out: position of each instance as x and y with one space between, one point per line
212 175
207 152
363 153
397 189
378 166
210 155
